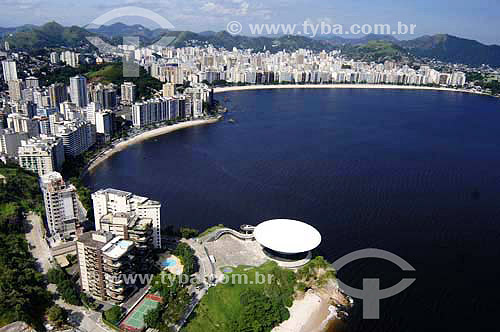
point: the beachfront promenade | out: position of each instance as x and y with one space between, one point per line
339 86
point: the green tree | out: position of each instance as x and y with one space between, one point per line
113 314
57 315
153 318
188 233
187 257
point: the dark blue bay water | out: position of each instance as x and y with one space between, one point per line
416 173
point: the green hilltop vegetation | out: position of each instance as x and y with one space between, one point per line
454 49
50 34
440 46
228 41
105 73
113 73
23 293
246 306
245 303
376 50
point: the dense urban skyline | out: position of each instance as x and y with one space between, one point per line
474 20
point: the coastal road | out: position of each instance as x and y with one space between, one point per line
38 246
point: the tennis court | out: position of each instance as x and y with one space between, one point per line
134 322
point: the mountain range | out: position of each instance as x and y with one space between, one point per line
442 47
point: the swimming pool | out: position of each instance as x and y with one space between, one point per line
169 263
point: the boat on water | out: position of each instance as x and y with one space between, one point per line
231 121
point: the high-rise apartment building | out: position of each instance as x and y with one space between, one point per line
58 93
103 95
103 261
168 90
64 212
129 226
22 124
9 70
15 89
77 136
157 110
72 59
129 91
10 141
54 58
109 200
41 155
104 124
32 82
79 92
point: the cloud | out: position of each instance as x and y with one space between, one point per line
234 8
20 4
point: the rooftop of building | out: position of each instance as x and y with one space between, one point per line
132 220
117 247
287 236
112 191
39 143
94 239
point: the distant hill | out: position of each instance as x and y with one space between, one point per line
48 35
442 47
6 31
228 41
55 35
377 51
338 40
119 30
207 33
454 49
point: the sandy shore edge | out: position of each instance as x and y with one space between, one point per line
341 86
145 136
309 314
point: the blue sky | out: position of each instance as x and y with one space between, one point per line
479 19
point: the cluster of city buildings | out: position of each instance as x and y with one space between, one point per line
69 58
42 126
127 229
37 122
208 64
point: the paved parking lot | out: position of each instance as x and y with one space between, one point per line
230 251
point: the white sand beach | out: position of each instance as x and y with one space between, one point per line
314 312
339 86
308 314
145 136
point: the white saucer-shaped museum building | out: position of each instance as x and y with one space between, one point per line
287 241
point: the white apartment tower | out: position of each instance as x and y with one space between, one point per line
41 155
109 200
129 91
54 57
10 141
104 124
64 211
9 70
77 136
